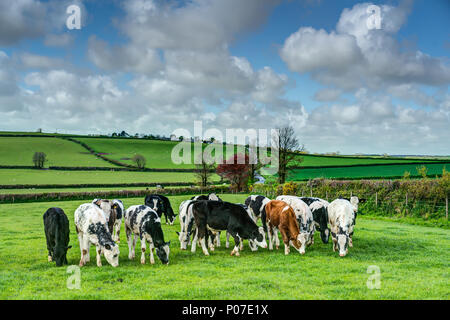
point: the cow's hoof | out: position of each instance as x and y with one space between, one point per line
99 265
277 247
142 261
49 259
81 264
237 254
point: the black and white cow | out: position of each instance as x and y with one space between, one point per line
340 216
118 211
211 196
56 227
319 209
161 204
106 207
216 216
256 205
251 244
144 222
91 227
187 225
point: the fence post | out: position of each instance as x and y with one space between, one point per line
446 207
407 203
310 190
351 194
376 200
326 195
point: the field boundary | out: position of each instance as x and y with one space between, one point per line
67 196
93 185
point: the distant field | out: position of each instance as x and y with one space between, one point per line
19 151
362 172
411 260
31 176
158 154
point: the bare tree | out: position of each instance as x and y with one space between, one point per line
204 169
39 159
139 160
288 148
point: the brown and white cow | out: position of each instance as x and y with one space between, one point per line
279 215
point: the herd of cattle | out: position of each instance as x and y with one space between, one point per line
202 218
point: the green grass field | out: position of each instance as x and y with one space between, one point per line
412 261
18 151
31 176
363 172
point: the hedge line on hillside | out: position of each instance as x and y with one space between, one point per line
423 198
93 185
114 194
373 164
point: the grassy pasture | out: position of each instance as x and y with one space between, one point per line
363 172
158 154
412 260
31 176
18 151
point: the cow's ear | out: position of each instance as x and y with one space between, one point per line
107 247
168 243
177 232
69 247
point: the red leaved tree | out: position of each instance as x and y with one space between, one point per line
237 171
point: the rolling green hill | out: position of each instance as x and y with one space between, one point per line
18 151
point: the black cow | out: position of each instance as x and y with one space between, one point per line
319 209
161 204
216 216
56 227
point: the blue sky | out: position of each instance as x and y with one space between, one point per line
155 66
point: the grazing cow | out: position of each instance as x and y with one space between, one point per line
56 227
252 246
117 211
281 216
211 196
144 221
216 236
320 215
340 216
161 204
304 218
355 202
187 225
106 207
91 227
216 215
256 205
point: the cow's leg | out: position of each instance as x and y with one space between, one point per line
143 247
129 241
210 237
252 245
285 241
218 239
202 235
50 251
277 239
133 246
99 255
334 244
237 242
269 233
194 241
84 250
227 243
117 231
151 247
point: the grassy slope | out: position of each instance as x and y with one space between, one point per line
358 172
412 260
19 151
31 176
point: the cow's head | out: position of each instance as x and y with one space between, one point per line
163 251
325 235
111 252
171 217
259 237
302 238
341 239
60 255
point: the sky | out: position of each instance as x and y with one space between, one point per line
345 81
